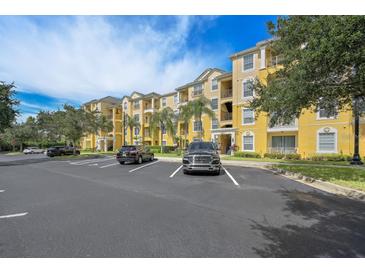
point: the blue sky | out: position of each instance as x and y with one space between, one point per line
66 59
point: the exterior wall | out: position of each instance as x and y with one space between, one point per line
305 131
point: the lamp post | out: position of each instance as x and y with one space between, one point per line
356 159
124 124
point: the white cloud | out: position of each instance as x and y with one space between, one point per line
89 57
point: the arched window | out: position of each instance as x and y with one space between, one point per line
327 140
248 141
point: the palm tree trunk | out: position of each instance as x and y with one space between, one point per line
185 132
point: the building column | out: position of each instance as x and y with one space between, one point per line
263 57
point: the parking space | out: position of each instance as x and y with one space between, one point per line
97 207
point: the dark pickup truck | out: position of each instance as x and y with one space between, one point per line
201 156
62 150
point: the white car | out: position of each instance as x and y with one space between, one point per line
33 150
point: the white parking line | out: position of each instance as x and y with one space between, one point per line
176 171
143 166
85 162
94 164
13 215
230 176
113 164
2 190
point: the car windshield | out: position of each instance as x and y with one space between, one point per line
128 148
201 146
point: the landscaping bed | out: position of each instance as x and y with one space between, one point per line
352 177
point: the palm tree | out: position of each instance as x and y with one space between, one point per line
185 115
131 123
199 107
164 120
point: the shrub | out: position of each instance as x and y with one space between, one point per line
330 157
245 154
274 155
165 149
292 156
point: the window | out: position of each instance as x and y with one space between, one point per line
248 62
176 99
136 131
324 113
214 124
163 130
247 143
136 117
125 105
164 143
247 87
248 116
327 140
214 103
197 126
214 84
136 104
164 102
197 89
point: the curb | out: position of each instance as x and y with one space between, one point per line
321 185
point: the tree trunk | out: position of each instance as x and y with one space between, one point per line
185 133
131 129
21 146
161 138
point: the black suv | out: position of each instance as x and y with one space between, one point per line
201 156
61 150
136 154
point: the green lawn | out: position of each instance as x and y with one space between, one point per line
349 177
304 162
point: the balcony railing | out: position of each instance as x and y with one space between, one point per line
274 61
282 150
226 116
227 93
197 92
293 125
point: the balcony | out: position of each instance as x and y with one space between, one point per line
282 150
292 126
197 92
274 61
149 110
226 116
226 94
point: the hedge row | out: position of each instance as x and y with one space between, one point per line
245 154
331 157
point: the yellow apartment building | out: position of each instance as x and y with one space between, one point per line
235 125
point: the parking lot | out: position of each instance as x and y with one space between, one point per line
99 208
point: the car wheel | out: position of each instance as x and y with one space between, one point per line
122 163
185 171
140 160
217 172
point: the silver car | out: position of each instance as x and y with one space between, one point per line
201 156
33 150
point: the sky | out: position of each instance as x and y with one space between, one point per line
55 60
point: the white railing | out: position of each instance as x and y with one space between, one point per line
293 125
282 150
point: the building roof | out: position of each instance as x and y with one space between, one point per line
109 99
201 78
224 75
252 49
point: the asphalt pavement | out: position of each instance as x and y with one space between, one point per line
99 208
